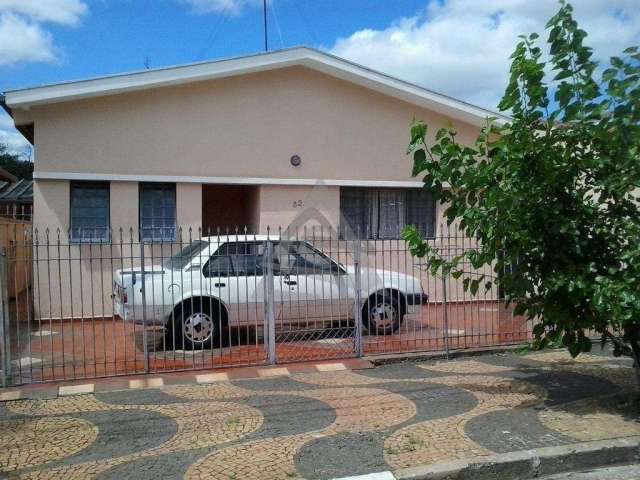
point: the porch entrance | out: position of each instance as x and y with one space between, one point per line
229 209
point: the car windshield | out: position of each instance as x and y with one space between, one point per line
184 256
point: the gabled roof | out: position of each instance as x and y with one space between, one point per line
302 56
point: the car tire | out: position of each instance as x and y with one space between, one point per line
194 327
383 314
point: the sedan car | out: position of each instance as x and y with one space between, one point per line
222 282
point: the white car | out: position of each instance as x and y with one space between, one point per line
219 282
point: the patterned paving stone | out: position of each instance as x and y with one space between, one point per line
287 415
281 384
168 465
465 367
443 439
339 379
143 430
508 430
30 442
593 419
271 459
350 454
360 409
563 386
433 400
320 424
57 406
563 356
149 396
222 391
398 371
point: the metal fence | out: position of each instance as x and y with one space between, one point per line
72 308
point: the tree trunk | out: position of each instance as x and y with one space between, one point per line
635 352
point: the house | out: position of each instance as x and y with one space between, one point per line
239 142
294 137
16 196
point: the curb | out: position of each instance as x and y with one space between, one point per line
531 463
54 389
388 359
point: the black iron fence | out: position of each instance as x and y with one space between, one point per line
76 309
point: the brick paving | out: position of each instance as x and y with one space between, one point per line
88 348
319 423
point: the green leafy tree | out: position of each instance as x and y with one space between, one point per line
552 196
14 165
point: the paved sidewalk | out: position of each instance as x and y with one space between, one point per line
323 424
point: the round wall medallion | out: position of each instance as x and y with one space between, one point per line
296 160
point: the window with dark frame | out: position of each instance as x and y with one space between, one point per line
382 213
157 212
89 212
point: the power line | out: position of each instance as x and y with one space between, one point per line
275 17
212 36
264 15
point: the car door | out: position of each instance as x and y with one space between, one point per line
236 276
314 287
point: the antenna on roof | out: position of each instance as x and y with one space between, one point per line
264 16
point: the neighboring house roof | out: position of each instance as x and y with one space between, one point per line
19 192
6 176
299 56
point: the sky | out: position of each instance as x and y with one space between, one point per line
457 47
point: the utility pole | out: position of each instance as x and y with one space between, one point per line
264 15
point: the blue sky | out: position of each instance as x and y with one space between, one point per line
118 35
459 47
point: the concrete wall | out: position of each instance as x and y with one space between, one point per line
294 208
72 280
246 126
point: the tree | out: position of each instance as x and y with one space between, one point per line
552 196
12 164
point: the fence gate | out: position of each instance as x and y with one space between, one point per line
313 308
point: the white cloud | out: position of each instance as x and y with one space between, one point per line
461 47
10 137
22 36
66 12
227 7
22 41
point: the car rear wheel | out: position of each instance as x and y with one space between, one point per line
194 327
382 314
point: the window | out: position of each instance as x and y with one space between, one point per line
299 258
240 259
184 256
157 212
383 213
89 212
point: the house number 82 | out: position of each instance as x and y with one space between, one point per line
297 203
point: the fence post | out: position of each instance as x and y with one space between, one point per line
357 252
144 309
445 315
5 344
269 315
